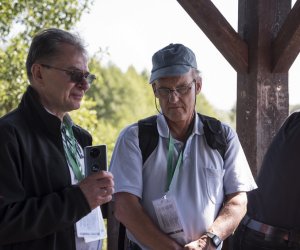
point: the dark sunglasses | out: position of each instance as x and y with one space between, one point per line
75 75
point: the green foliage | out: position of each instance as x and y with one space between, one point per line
204 107
31 16
121 97
86 116
19 21
13 80
102 131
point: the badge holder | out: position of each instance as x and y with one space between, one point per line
167 216
91 227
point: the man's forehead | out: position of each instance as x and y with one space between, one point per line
175 80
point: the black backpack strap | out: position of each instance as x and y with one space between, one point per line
148 136
214 134
121 237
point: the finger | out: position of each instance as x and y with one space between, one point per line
103 192
104 184
106 191
104 199
110 190
101 174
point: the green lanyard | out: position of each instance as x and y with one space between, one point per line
69 143
170 166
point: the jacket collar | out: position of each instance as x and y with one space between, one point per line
37 114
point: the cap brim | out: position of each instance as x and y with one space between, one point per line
174 70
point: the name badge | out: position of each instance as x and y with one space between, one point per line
91 227
167 216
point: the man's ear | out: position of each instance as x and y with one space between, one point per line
36 72
198 85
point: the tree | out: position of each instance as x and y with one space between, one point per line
30 16
121 98
19 21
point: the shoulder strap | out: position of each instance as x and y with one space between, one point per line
213 131
148 136
214 134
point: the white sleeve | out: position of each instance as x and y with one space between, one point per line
126 163
238 176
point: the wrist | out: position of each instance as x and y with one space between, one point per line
215 239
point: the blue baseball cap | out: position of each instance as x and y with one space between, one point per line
172 60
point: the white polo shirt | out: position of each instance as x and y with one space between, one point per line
198 185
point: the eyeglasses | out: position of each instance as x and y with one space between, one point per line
76 76
166 92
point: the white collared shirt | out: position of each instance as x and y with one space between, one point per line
199 186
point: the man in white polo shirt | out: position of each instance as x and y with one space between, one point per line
185 195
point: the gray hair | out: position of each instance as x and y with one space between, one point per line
196 74
46 45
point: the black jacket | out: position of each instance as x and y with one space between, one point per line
277 200
38 204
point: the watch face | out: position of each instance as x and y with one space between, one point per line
215 239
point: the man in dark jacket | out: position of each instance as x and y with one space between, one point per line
273 217
43 192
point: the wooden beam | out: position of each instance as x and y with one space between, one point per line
286 46
219 31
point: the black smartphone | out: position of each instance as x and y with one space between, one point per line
95 159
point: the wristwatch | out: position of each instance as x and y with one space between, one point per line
214 238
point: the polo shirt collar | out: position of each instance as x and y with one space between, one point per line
163 128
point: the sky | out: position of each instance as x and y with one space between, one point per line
132 31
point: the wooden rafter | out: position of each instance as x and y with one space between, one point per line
286 46
219 31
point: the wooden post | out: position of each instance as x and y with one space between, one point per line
262 96
112 228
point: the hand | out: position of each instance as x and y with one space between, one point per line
98 188
203 243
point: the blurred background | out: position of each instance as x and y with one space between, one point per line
121 37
